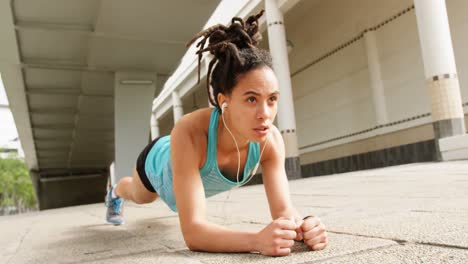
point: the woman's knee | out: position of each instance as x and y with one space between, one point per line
124 187
125 181
138 198
140 195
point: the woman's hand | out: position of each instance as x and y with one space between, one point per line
299 233
277 238
314 233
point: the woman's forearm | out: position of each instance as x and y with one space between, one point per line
215 238
287 212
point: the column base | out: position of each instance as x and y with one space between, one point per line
293 168
449 127
454 148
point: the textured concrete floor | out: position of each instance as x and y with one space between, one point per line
416 213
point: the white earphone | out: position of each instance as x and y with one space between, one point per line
223 106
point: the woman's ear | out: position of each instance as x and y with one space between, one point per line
221 99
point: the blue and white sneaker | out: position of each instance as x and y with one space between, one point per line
114 206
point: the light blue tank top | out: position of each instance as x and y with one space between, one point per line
158 166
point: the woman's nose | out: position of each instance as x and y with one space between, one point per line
263 111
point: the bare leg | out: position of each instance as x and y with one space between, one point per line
131 188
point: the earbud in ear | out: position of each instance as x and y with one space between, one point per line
224 105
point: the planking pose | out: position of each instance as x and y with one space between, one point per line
212 150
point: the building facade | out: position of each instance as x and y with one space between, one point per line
373 83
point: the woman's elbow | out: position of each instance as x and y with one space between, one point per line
191 243
191 238
191 246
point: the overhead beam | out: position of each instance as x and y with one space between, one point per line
13 80
55 61
55 126
87 30
70 127
53 26
59 91
53 110
51 66
39 138
65 91
67 178
83 68
51 172
55 148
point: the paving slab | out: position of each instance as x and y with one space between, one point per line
407 254
340 245
415 213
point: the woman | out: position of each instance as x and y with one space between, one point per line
213 150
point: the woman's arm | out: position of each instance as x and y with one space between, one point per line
275 180
276 185
199 234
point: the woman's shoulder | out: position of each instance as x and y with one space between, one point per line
194 125
196 121
192 130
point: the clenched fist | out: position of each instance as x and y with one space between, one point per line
277 238
314 233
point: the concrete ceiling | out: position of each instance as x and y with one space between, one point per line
67 52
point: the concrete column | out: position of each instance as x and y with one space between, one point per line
111 173
177 106
133 99
154 126
286 115
35 179
441 78
375 78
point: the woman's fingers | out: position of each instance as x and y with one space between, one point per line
299 234
288 234
285 243
317 239
319 246
317 243
286 223
316 231
310 223
298 229
282 251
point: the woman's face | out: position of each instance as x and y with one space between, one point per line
253 104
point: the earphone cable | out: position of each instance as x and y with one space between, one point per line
237 147
238 155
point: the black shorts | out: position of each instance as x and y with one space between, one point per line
140 166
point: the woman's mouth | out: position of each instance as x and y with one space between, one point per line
261 131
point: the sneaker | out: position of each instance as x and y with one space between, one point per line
114 213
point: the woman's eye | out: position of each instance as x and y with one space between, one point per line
273 99
251 100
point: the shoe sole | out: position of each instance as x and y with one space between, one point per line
116 224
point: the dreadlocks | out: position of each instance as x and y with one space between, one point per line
235 53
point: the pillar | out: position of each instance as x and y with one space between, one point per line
286 116
177 106
154 126
441 78
375 78
133 99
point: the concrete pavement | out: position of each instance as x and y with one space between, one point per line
415 213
